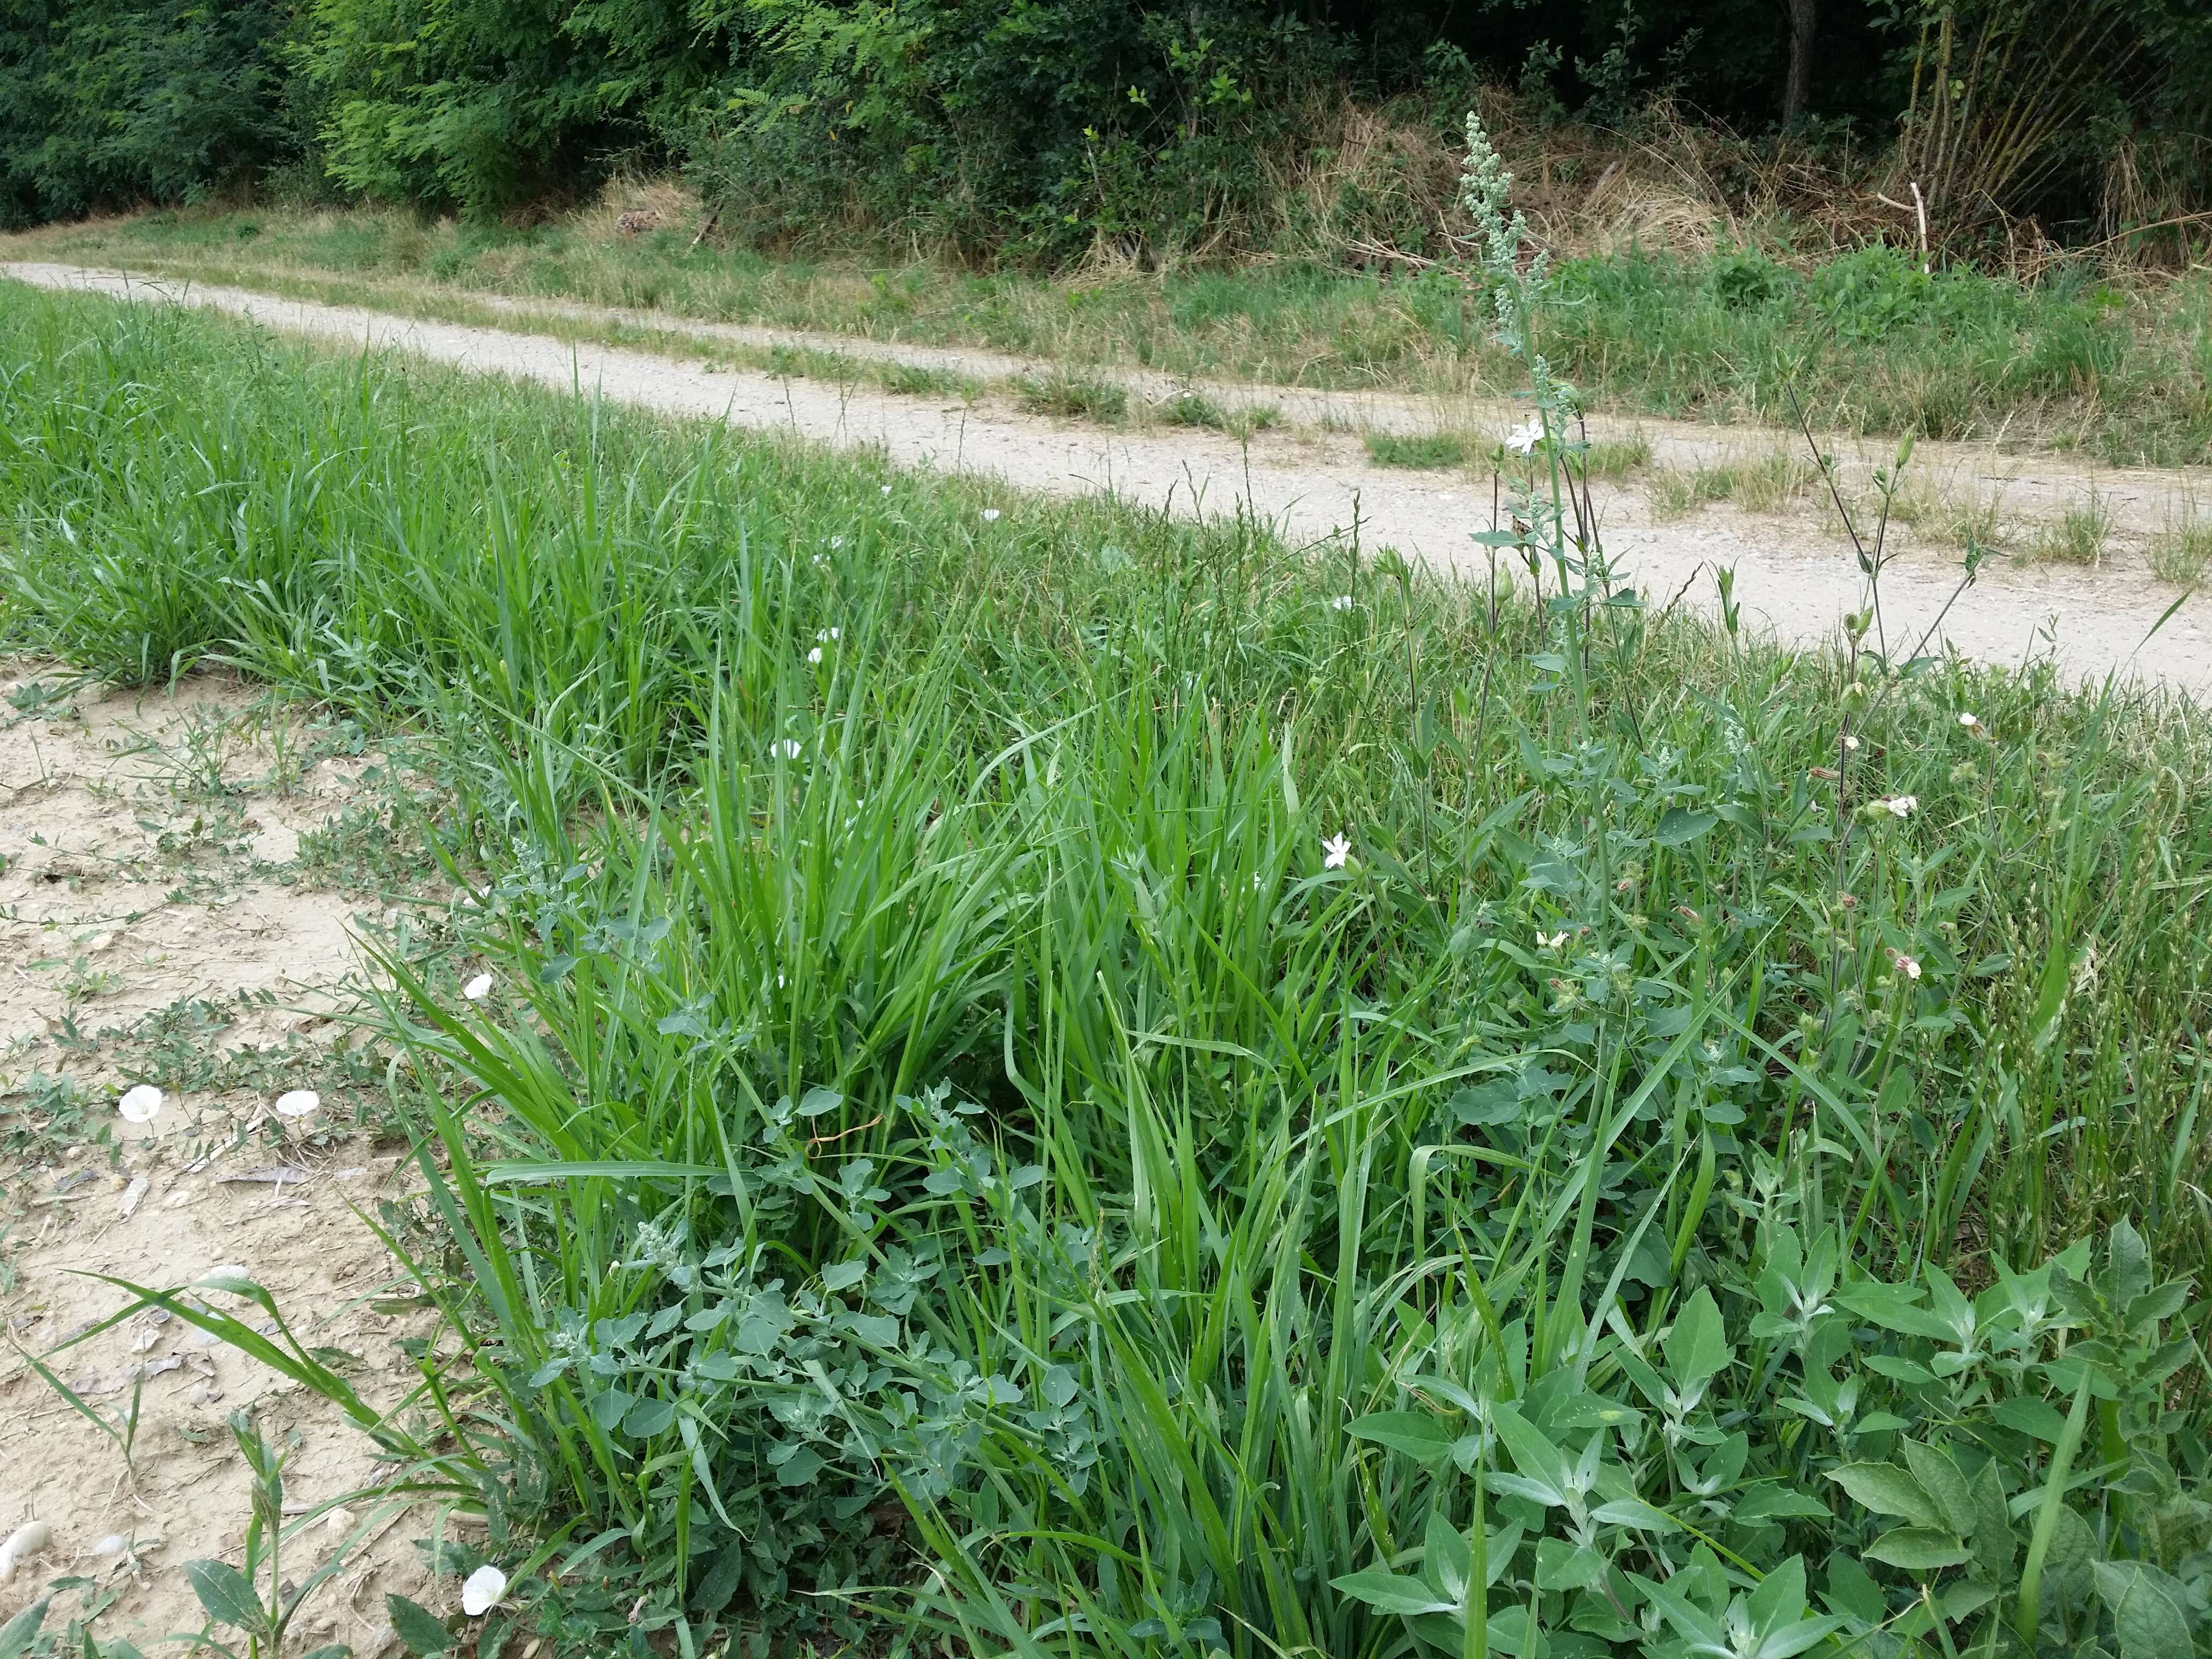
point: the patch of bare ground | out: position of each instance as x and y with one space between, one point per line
157 926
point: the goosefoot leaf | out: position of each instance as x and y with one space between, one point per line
1887 1489
421 1630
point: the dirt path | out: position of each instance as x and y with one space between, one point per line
160 921
1795 572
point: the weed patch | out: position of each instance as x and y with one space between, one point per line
1064 1067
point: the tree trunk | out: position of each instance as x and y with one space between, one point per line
1797 91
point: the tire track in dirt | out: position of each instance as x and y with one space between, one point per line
1795 575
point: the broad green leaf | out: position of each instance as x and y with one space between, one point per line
1449 1560
1562 1565
1944 1482
1887 1489
1697 1346
1387 1592
647 1417
2149 1611
1635 1512
1775 1503
1891 1307
1419 1437
1918 1549
1542 1464
228 1596
1678 827
1780 1598
423 1631
1791 1640
16 1635
2036 1418
1993 1542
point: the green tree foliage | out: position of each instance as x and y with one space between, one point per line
1042 128
112 100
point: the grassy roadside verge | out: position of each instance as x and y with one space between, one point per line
2081 363
1204 1096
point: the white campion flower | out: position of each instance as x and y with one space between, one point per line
1551 941
481 1590
1337 852
477 988
1341 602
1850 743
784 749
828 635
1902 806
1524 438
990 515
1968 720
142 1104
815 655
297 1103
1905 964
887 490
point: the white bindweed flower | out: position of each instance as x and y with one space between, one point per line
815 655
482 1589
477 988
1337 851
1524 439
1341 602
1968 720
784 749
297 1103
990 515
142 1104
1902 806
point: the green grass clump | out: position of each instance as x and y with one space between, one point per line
1430 450
1193 409
1075 398
1076 1083
2080 535
2182 549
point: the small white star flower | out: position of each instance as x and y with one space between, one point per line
836 542
480 1591
142 1104
297 1103
1337 852
477 988
1524 439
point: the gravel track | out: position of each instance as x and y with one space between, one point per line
1795 574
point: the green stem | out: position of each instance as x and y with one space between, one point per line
2029 1614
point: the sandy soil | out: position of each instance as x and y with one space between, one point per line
148 839
1794 574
